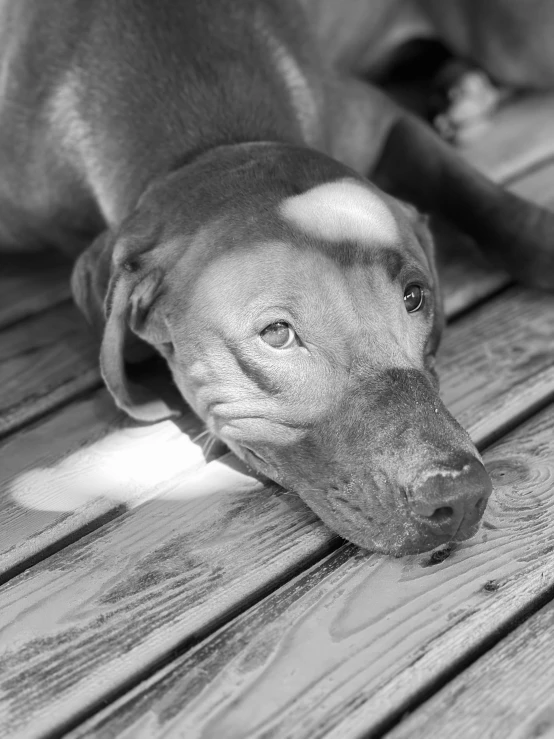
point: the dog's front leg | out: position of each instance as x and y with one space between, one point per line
418 166
409 160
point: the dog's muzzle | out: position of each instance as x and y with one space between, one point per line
390 469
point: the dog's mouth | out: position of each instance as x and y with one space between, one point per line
398 535
387 481
257 464
254 456
448 506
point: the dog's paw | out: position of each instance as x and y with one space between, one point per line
465 100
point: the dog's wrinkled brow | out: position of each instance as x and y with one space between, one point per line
349 254
391 260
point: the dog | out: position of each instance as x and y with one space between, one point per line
240 202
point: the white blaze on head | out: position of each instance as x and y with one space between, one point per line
342 210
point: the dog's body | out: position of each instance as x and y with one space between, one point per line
70 163
214 154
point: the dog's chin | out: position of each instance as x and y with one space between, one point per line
404 538
392 543
396 542
400 541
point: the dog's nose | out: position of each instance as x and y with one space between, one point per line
451 500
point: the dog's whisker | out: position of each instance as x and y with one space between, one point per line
200 435
209 445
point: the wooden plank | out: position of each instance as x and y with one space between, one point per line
496 364
346 646
506 693
45 360
536 185
519 137
31 283
115 603
81 465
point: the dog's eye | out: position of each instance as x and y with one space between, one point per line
413 298
279 335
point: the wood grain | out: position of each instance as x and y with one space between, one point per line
351 643
507 694
80 465
30 284
45 360
117 602
497 363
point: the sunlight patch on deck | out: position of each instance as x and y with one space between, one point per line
128 466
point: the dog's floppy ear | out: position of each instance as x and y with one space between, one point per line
110 297
90 279
128 299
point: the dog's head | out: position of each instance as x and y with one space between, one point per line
299 312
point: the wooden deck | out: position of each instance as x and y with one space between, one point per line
146 591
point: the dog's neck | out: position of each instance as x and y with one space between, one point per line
225 198
244 182
204 99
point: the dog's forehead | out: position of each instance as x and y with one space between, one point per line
342 210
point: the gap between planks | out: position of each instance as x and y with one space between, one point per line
46 361
120 601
